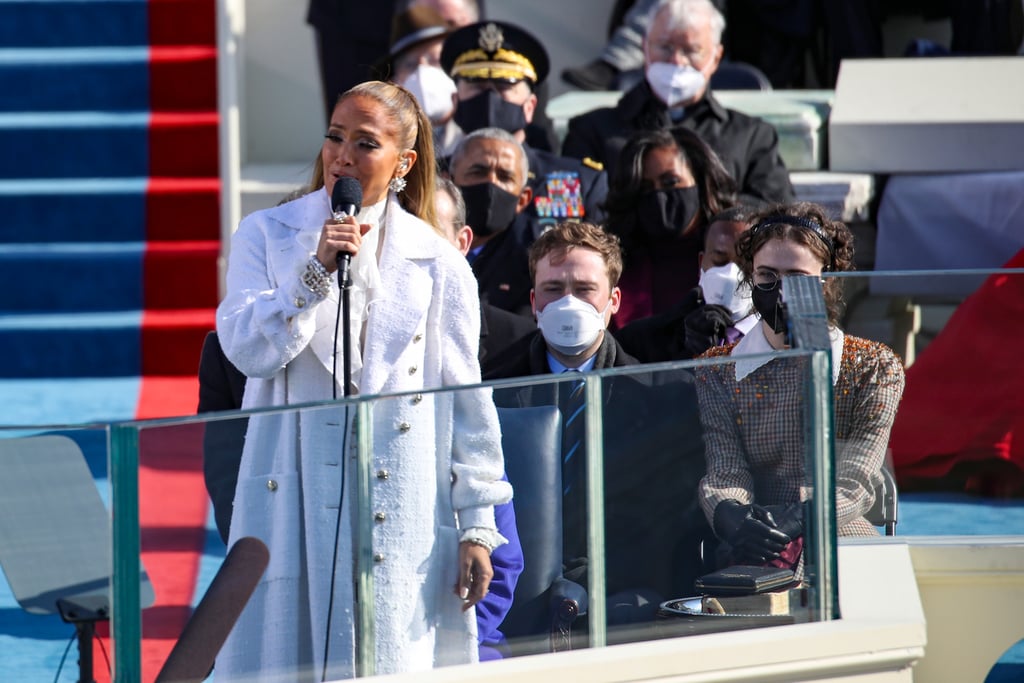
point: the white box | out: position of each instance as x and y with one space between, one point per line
847 196
927 115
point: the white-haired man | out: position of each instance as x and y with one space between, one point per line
682 49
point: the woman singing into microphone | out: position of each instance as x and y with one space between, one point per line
437 457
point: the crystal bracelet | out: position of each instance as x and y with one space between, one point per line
316 278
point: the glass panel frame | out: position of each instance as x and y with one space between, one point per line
123 464
127 628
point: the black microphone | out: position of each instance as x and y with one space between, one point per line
191 658
346 199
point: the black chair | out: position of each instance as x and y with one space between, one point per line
885 511
739 76
545 603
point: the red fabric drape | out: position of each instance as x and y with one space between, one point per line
961 422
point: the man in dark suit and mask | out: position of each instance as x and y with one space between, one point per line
682 49
652 438
490 168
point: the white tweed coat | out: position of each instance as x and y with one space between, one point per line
437 458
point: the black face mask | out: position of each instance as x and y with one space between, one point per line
768 304
489 110
666 214
489 209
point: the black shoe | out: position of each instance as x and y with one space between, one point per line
598 75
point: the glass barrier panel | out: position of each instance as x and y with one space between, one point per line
286 478
607 530
597 523
962 406
646 416
639 440
55 551
357 494
678 440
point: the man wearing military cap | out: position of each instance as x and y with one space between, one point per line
497 67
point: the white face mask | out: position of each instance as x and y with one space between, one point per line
673 84
434 90
571 325
721 286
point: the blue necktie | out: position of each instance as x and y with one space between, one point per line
572 433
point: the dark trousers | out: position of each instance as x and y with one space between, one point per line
350 37
981 27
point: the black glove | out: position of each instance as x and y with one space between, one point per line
750 530
788 518
706 327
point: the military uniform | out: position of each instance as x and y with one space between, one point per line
502 270
564 188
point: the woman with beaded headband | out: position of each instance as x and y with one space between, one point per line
752 409
437 457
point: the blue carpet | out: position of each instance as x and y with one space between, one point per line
71 345
109 131
60 23
107 145
108 127
105 210
80 400
958 514
102 276
91 79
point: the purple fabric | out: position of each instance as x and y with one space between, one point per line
732 335
656 278
507 562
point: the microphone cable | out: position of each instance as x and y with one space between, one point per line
343 313
341 491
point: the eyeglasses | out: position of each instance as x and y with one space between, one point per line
666 52
767 281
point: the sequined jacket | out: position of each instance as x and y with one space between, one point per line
754 430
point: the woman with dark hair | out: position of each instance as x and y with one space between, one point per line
752 409
667 187
414 325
